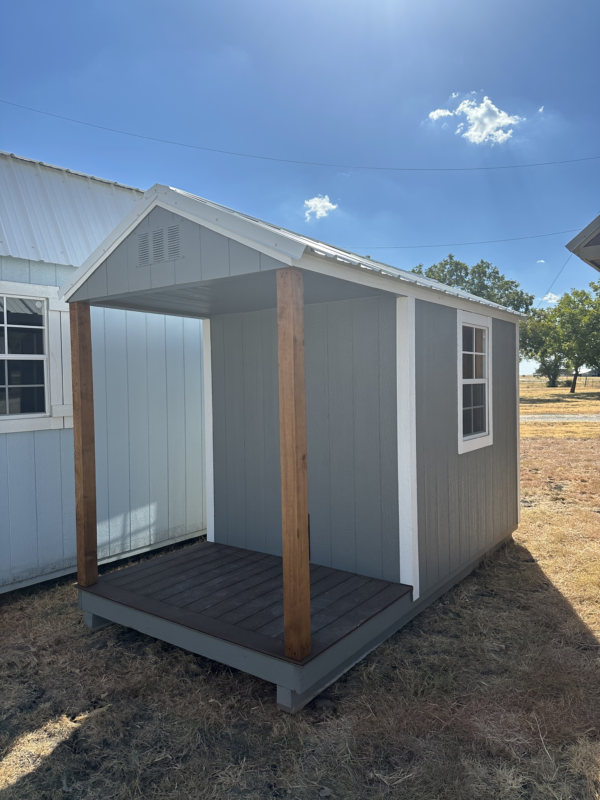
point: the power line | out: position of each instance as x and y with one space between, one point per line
296 161
546 293
458 244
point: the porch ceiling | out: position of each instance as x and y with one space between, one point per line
251 292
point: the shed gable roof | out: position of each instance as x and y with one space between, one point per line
285 246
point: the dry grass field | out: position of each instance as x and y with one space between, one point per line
542 400
493 692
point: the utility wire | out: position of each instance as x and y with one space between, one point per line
547 292
458 244
296 161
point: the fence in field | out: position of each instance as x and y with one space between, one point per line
582 382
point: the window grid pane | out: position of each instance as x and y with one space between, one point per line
467 365
26 400
467 339
479 340
467 422
24 312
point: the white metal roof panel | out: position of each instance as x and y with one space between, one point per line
52 214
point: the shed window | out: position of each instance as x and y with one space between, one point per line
474 368
22 356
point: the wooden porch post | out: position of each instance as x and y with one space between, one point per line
85 451
294 487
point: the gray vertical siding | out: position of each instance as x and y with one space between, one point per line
149 439
468 502
351 431
37 499
149 452
246 430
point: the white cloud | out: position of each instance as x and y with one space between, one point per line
552 298
454 95
541 261
540 109
485 122
319 206
441 112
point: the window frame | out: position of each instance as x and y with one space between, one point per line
477 440
44 358
57 375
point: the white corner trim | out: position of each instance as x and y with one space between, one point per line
487 439
407 443
208 432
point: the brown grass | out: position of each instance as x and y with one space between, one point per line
559 430
542 400
493 692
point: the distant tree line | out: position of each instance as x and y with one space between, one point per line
566 336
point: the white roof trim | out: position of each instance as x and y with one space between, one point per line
279 243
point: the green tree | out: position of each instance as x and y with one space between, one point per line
541 341
578 321
483 280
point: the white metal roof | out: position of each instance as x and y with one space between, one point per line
280 243
52 214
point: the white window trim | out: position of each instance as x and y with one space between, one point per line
59 414
483 439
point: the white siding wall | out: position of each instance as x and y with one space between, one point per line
149 450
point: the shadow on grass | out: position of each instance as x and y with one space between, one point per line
492 691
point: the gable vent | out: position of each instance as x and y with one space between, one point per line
158 245
143 249
173 249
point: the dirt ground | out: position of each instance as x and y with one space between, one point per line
493 692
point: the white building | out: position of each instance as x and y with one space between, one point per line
147 387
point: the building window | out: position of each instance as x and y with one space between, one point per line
22 356
474 364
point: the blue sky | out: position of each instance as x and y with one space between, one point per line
344 82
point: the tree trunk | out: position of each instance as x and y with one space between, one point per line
574 383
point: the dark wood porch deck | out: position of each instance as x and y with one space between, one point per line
237 595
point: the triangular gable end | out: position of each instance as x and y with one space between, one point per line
171 238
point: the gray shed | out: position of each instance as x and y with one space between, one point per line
362 447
